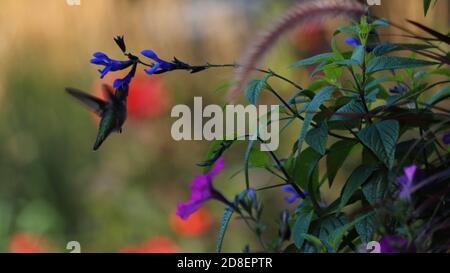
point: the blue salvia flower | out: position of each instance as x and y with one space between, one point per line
125 82
160 63
353 41
109 64
294 195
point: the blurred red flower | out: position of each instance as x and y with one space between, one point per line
28 243
158 244
312 39
147 97
200 222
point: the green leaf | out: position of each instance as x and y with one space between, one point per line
382 22
381 138
315 241
254 88
349 111
223 228
216 149
366 229
319 68
354 182
439 96
314 59
312 108
382 79
301 227
317 138
335 238
393 62
328 225
426 6
385 48
337 155
358 55
373 188
305 168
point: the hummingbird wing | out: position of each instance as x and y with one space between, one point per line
109 92
95 104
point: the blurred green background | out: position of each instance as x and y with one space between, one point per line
54 189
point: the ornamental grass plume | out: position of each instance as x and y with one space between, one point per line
299 14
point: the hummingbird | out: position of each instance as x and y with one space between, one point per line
112 111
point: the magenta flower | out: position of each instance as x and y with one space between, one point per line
202 190
396 244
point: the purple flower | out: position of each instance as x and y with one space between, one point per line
396 244
353 41
294 194
124 83
160 63
411 176
406 182
446 138
202 190
109 64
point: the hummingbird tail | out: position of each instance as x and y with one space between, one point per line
99 141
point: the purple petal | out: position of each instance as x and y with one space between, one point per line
100 55
152 70
446 139
184 210
218 166
410 172
150 54
353 41
288 188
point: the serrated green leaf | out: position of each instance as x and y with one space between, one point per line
223 228
392 62
312 108
254 88
335 238
381 138
349 111
385 48
314 59
354 182
328 225
366 229
373 188
336 157
301 227
317 138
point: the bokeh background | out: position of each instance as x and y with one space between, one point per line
54 189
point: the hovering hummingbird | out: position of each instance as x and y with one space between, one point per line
112 112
